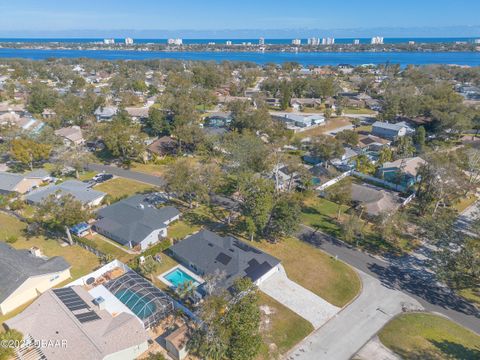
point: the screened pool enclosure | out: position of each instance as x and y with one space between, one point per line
145 300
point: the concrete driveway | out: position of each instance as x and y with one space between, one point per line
355 325
298 299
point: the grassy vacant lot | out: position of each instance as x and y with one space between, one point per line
318 272
121 187
426 336
359 111
81 260
150 168
321 214
330 125
282 328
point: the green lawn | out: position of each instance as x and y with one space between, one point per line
320 273
104 245
364 128
472 296
359 111
166 264
181 229
82 261
321 214
282 329
120 187
464 203
431 337
150 168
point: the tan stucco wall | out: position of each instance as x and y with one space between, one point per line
31 288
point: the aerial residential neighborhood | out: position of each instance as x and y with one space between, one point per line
213 194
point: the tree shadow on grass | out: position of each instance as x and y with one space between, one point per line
453 350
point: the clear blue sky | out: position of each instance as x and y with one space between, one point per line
19 15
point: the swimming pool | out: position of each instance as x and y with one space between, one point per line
140 305
178 277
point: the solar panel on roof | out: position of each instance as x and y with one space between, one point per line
88 316
70 299
223 258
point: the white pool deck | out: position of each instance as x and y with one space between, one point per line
112 304
195 277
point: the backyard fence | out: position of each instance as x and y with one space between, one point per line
381 182
98 253
334 181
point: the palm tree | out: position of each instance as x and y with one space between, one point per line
149 267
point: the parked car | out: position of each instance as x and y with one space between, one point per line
102 177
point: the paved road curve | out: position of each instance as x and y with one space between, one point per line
395 275
129 174
351 328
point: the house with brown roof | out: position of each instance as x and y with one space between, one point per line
375 200
71 135
163 146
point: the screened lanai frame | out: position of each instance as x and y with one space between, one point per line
147 293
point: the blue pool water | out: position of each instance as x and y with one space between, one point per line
178 277
136 303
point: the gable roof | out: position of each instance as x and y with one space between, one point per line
48 318
387 126
80 190
72 133
9 181
131 220
209 252
16 266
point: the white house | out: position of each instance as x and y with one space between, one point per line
134 222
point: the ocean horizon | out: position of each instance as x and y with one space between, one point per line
303 58
271 41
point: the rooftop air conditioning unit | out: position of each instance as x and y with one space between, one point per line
100 302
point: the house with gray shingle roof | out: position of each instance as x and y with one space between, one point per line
135 222
79 190
206 253
24 274
21 183
106 113
388 131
